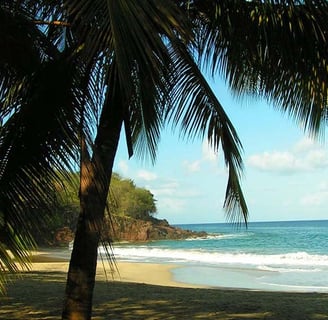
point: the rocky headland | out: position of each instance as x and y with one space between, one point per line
129 229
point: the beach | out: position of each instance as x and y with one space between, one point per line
148 291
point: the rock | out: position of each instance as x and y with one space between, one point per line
129 229
63 236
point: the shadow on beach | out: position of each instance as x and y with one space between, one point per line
38 295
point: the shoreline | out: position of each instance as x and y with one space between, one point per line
119 271
171 274
148 292
38 294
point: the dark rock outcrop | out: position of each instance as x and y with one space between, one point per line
63 236
129 229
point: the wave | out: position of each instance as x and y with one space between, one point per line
298 260
297 288
220 236
285 270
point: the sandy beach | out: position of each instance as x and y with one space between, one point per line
147 291
147 273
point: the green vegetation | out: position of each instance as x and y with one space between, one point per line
124 200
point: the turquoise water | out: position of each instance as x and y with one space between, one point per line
284 256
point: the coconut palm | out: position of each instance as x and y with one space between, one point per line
30 148
144 65
122 78
137 64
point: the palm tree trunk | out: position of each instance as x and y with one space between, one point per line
94 186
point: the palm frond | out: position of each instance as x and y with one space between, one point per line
274 49
200 114
140 52
143 59
37 143
145 113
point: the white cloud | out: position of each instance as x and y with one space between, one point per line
305 155
208 155
166 189
174 190
208 152
146 175
191 166
323 186
316 159
123 167
315 155
304 145
316 199
274 161
172 197
172 205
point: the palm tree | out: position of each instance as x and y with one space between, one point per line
133 63
128 75
142 77
32 152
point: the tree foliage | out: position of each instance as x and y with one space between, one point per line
64 210
126 199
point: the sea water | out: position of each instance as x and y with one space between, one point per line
284 256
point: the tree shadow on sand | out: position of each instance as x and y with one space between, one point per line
38 295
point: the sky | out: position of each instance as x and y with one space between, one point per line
285 171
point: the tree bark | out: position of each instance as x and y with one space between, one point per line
94 186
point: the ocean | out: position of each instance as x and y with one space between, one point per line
279 256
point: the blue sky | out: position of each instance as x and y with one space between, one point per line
285 176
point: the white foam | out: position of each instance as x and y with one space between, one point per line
285 270
296 288
297 260
220 236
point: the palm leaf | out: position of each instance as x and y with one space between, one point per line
199 113
141 56
34 152
274 49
